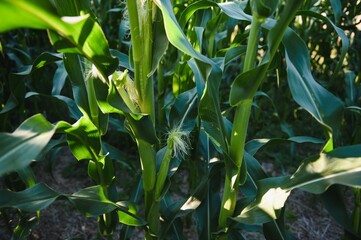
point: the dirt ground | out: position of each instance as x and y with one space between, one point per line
307 217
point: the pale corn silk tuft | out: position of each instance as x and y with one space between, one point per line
180 141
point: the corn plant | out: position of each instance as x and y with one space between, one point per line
208 61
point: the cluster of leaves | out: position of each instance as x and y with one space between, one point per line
232 80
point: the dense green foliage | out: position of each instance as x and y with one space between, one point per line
212 88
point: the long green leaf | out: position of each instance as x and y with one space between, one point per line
315 175
174 32
32 199
345 42
337 10
80 34
83 139
22 146
90 201
256 144
323 105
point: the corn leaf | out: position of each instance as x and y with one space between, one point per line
83 139
17 90
315 175
246 84
129 216
337 10
59 103
31 199
192 8
345 42
90 201
323 105
256 144
22 146
174 33
79 34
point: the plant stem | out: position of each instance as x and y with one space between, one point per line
142 42
147 81
239 132
137 49
252 47
148 164
161 95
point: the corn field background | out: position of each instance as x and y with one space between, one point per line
180 119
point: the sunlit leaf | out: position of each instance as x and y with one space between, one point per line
315 175
129 217
79 34
83 139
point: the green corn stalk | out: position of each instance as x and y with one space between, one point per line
141 23
260 11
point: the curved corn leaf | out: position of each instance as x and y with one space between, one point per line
22 146
256 144
31 137
79 34
59 79
31 199
174 33
337 10
17 90
83 139
59 101
90 201
192 8
255 172
323 105
345 42
315 175
246 84
129 216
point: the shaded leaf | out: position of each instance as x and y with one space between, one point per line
256 144
92 201
31 200
323 105
24 144
246 84
345 42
